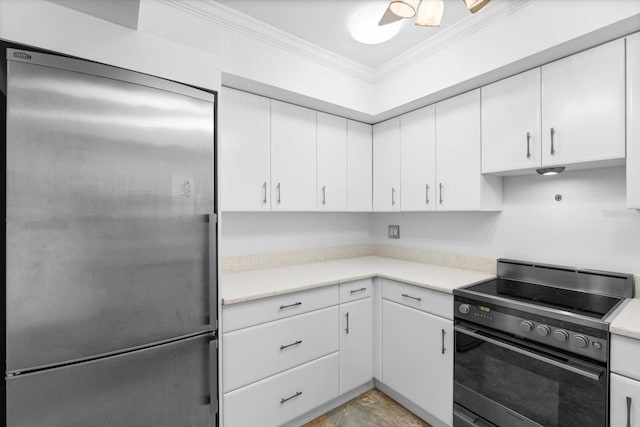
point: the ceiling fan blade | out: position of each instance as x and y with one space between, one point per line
388 17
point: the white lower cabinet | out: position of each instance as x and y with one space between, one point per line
624 402
283 397
417 358
356 344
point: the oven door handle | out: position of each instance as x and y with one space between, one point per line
593 375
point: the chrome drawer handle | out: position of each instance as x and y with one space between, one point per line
282 307
426 190
443 334
628 411
282 347
324 194
278 188
409 296
347 328
353 291
264 193
553 146
298 393
528 145
441 198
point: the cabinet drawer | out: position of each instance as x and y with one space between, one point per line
255 353
624 403
625 353
353 291
265 402
243 315
427 300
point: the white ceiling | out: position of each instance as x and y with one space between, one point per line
325 23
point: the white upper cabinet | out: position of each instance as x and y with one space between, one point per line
386 166
245 148
460 184
293 158
332 163
511 124
633 121
359 166
583 106
418 159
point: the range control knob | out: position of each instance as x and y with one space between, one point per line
526 325
597 345
543 330
560 335
464 308
580 341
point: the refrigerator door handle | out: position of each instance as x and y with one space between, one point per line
213 376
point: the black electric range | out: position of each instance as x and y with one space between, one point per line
532 346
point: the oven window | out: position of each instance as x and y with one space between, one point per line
544 393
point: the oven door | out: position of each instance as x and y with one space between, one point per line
504 381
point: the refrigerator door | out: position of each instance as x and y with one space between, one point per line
159 386
109 207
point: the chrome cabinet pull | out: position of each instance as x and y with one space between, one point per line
414 298
283 400
528 145
628 411
441 187
443 349
282 347
324 195
347 328
393 196
553 147
282 307
353 291
426 190
264 189
278 188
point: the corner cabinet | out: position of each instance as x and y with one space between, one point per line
359 167
460 183
633 121
332 163
246 149
293 157
386 166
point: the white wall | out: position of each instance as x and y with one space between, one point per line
589 228
50 26
538 32
258 233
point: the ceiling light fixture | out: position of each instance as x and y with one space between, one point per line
428 13
551 171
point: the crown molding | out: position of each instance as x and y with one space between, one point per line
234 20
445 37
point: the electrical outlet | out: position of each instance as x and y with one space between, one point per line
394 231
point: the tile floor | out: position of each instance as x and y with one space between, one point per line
370 409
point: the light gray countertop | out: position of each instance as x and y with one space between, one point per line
254 284
627 321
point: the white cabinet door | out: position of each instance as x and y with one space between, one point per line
460 184
418 159
293 157
245 148
511 123
583 106
386 166
624 402
633 121
332 163
413 361
359 167
356 344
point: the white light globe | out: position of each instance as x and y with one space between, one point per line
364 28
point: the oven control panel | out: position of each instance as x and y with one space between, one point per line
549 331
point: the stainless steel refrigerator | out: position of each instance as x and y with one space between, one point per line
111 300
